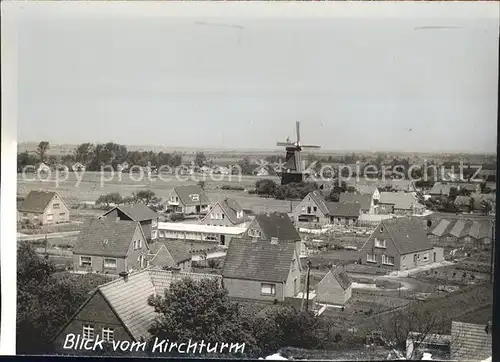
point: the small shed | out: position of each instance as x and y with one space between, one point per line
335 287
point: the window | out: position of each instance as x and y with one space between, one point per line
195 197
222 216
56 206
153 234
137 244
315 208
88 331
49 217
426 256
380 243
381 229
371 258
85 261
154 223
162 234
107 334
110 263
254 233
293 264
388 260
211 237
268 289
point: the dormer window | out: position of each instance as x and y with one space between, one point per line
381 229
195 197
254 233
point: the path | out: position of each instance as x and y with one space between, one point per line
32 237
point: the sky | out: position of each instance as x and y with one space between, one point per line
415 83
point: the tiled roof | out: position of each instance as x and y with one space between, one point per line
366 189
441 189
365 200
129 297
258 261
400 200
408 234
105 237
231 208
277 224
136 212
343 209
36 201
176 248
460 228
470 341
185 192
441 227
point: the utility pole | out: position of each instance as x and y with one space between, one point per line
307 283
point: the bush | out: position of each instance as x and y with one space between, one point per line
213 263
233 187
177 217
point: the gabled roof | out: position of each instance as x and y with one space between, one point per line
37 201
407 233
277 225
441 189
340 276
177 249
129 298
366 189
365 200
441 228
185 192
136 212
258 261
400 200
106 237
319 199
343 209
231 208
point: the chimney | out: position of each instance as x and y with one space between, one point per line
124 275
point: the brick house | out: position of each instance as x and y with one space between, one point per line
140 213
315 209
110 246
400 244
371 190
335 287
262 271
189 199
170 254
119 310
228 213
269 226
44 207
399 203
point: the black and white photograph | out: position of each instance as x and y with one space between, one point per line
263 180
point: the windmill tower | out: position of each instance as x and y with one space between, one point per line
292 171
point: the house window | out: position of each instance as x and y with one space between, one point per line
162 234
110 263
426 256
56 206
49 217
268 289
315 208
153 234
88 331
381 229
293 264
380 243
387 260
137 244
222 216
154 223
254 233
85 261
107 334
195 197
211 237
371 258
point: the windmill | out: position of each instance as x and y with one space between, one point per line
292 170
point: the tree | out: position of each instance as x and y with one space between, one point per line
145 196
265 187
201 184
199 310
84 152
25 159
336 191
200 159
108 199
42 149
486 207
246 166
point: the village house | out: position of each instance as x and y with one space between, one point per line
119 310
140 213
399 203
364 200
270 226
107 245
170 254
199 233
262 271
227 213
44 207
441 189
400 244
473 233
314 209
190 199
371 190
335 287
